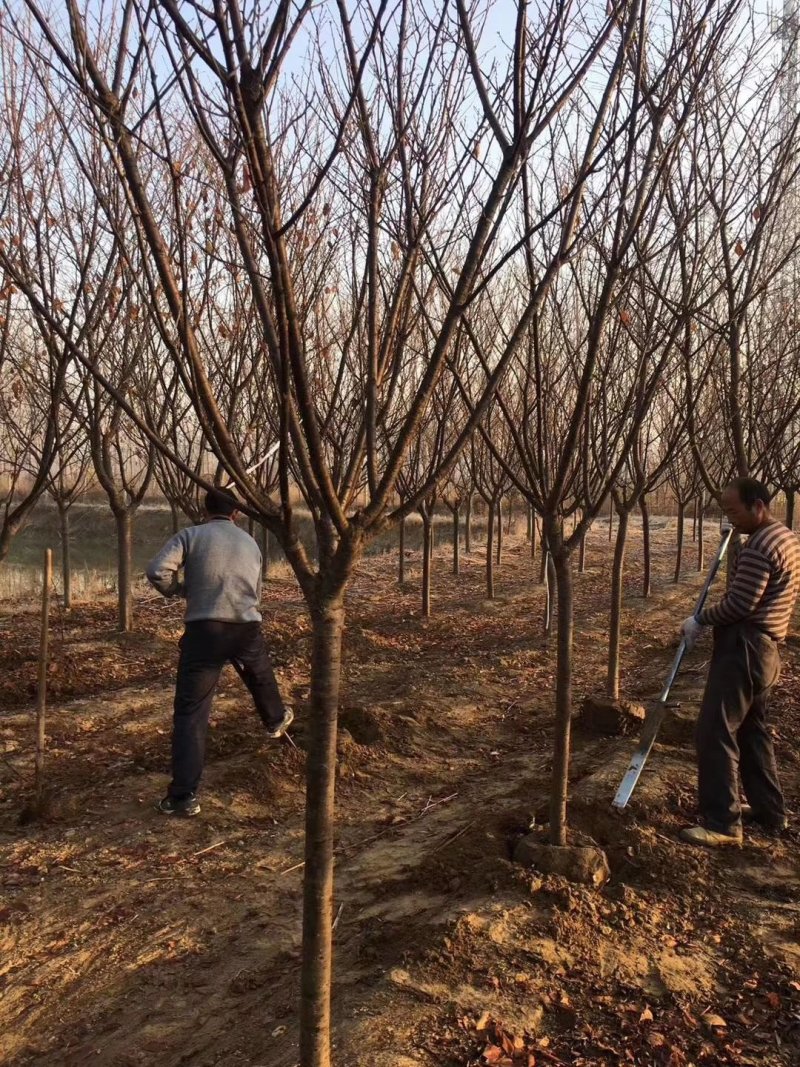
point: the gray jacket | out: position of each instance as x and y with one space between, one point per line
221 572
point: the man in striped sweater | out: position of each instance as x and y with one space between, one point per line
750 622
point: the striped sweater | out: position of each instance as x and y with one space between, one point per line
764 584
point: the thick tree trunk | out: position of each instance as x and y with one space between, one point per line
499 532
490 516
610 522
427 552
694 519
647 575
615 616
543 557
401 561
701 543
124 523
456 533
679 548
66 555
561 746
533 534
174 517
468 525
315 991
790 508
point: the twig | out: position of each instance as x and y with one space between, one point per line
287 735
203 851
454 837
338 916
296 867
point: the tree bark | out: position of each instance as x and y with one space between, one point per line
499 531
694 519
561 747
582 553
468 525
66 555
427 551
315 990
533 534
490 518
615 616
264 553
124 522
701 544
679 551
456 533
401 562
610 522
647 576
529 517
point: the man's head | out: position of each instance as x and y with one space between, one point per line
221 504
745 501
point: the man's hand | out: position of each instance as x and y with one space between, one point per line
690 631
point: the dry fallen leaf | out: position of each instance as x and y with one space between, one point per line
774 1000
714 1021
483 1021
656 1039
646 1016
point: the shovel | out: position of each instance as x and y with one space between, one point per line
655 716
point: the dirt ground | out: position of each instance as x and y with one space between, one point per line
129 939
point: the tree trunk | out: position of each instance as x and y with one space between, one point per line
582 553
529 516
533 534
490 516
174 517
427 550
456 523
790 508
543 557
615 617
124 521
66 555
264 553
647 576
610 522
251 526
561 747
315 988
694 519
510 516
401 562
701 544
499 531
679 553
468 525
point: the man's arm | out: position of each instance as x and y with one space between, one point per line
747 588
162 570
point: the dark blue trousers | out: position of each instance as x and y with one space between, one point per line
205 648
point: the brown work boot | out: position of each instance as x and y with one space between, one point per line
769 824
701 835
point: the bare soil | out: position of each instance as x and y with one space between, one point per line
128 939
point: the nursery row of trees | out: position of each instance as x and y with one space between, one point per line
421 249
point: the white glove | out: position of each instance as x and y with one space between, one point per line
690 631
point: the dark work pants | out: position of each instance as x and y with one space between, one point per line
732 732
205 648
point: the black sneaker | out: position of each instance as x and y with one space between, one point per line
283 725
771 825
183 806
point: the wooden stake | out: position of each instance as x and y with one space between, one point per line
41 690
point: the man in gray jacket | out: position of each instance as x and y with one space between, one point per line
222 586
